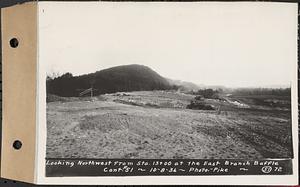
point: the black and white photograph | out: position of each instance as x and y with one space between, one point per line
169 81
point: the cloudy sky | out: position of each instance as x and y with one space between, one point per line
230 44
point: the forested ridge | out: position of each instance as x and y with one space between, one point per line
117 79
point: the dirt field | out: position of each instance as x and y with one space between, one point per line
158 125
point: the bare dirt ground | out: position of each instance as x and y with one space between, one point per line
157 125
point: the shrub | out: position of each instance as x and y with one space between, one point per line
196 105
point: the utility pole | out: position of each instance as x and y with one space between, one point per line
92 87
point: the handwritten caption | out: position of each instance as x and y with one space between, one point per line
167 167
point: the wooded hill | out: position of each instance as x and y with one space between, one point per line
116 79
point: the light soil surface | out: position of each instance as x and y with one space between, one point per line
108 128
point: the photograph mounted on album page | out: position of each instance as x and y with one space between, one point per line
150 93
